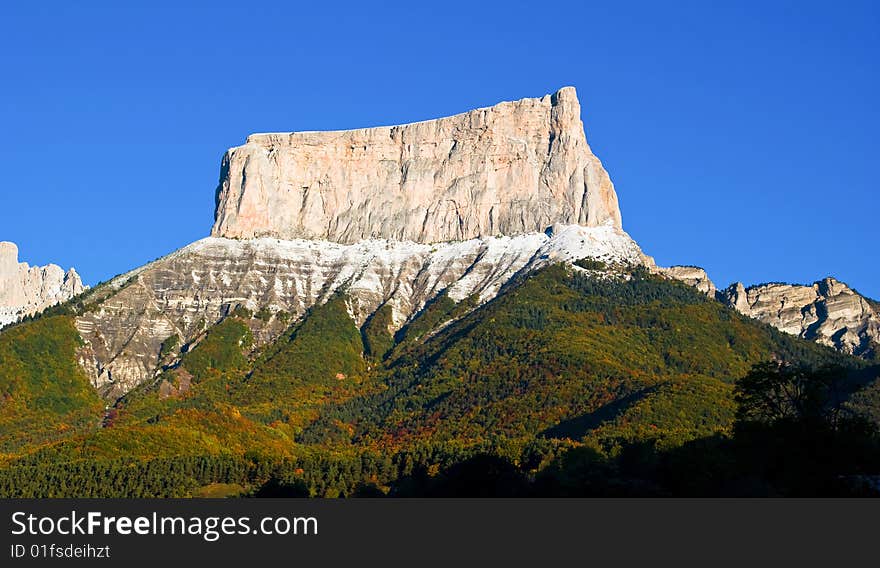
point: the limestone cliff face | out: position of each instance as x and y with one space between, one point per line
26 290
828 311
513 168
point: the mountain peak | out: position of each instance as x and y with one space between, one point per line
8 255
26 290
512 168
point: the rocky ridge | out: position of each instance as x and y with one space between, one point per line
827 311
188 291
26 290
690 275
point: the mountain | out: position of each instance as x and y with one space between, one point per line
449 307
828 311
514 168
569 360
26 290
183 295
393 216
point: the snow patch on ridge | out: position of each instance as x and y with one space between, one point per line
202 283
365 267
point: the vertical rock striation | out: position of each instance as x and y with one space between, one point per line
513 168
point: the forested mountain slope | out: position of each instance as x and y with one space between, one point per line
569 358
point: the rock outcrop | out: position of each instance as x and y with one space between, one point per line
192 289
828 311
514 168
26 290
690 275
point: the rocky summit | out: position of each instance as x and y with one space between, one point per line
690 275
827 311
513 168
26 290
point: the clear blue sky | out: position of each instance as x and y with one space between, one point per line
741 136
